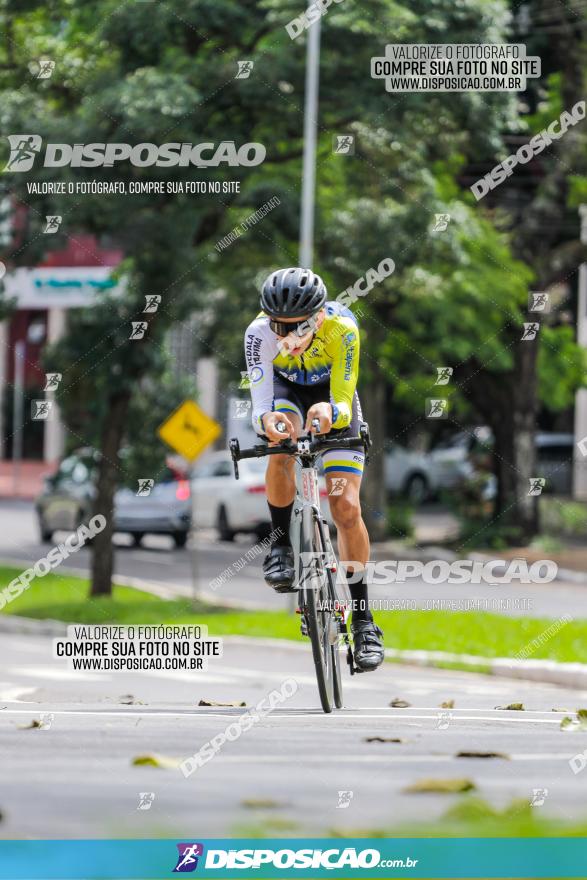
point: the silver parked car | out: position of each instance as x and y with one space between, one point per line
68 496
450 460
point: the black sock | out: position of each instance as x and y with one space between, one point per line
360 601
280 519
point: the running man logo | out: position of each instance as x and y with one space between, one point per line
539 795
344 800
138 329
344 144
146 799
241 408
53 223
41 410
46 720
437 408
152 303
444 374
187 860
244 69
52 381
145 487
46 68
538 302
530 332
441 222
24 148
444 719
537 484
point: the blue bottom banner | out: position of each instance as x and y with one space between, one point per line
311 857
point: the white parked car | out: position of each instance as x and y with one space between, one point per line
231 506
408 473
450 460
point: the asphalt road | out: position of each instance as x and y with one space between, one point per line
171 572
74 778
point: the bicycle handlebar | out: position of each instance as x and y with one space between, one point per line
316 444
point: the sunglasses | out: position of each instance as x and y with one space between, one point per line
280 328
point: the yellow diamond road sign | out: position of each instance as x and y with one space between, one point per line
189 430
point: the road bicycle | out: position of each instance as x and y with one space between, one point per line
324 613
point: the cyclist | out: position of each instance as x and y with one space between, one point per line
302 355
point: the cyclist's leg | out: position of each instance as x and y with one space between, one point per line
343 487
344 469
278 566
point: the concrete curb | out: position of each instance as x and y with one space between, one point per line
10 623
571 675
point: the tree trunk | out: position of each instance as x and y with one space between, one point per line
508 404
374 501
515 458
102 548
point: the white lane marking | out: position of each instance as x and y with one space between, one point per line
293 715
374 759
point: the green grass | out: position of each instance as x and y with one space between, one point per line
471 816
484 634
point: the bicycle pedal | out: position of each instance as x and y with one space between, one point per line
350 661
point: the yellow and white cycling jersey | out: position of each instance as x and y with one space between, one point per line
332 357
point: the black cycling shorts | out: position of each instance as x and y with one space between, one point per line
294 398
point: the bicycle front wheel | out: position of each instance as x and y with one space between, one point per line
322 623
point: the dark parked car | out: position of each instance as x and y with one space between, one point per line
67 501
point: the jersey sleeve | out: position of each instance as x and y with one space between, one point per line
344 349
260 349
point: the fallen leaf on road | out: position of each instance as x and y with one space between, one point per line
560 710
261 804
384 739
448 704
582 714
579 723
483 755
518 707
443 786
397 703
156 761
213 703
129 700
34 725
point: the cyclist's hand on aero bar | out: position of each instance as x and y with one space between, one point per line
270 422
322 412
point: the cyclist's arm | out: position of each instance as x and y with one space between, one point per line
260 349
344 350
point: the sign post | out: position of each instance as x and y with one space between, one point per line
189 431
